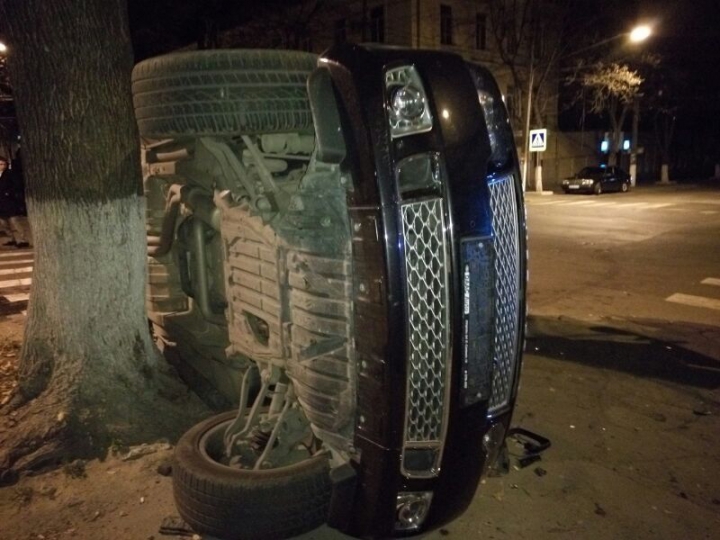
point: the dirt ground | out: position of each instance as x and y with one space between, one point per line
632 457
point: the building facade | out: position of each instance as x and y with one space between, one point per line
464 27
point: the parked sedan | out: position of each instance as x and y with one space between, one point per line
597 180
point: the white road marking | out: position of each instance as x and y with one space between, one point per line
13 264
708 212
14 253
616 204
632 204
658 205
12 298
695 301
10 271
707 201
546 203
612 203
711 281
15 283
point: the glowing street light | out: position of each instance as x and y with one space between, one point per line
640 33
3 47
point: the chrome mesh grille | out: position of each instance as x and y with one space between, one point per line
427 301
507 288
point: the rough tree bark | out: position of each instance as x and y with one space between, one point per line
89 373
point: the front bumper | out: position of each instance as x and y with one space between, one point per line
578 188
439 279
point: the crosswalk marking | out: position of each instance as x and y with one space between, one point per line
578 203
16 267
695 301
14 253
605 204
13 264
10 271
599 203
698 301
15 283
549 203
20 297
595 202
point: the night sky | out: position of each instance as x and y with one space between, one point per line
688 38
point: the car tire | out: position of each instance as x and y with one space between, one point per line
222 92
624 187
597 188
231 503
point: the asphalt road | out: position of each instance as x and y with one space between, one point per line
621 373
649 257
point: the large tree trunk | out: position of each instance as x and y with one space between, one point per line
89 373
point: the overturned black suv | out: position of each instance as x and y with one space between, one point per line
337 245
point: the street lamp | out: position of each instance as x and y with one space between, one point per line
637 35
640 33
3 47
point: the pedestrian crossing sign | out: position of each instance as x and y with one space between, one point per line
538 140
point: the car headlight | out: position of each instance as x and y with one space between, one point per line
407 102
565 182
587 181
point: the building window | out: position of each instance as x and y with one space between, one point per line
446 25
377 24
481 31
340 33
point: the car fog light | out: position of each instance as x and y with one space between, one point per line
412 509
492 443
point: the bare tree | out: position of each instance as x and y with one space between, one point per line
609 88
8 124
89 373
288 26
667 95
530 37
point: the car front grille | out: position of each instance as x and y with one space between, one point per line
507 289
426 267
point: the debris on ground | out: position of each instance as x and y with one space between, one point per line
141 450
75 469
175 526
533 446
164 469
